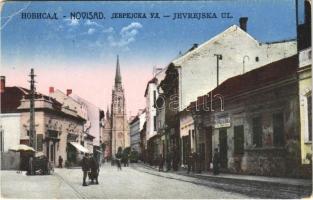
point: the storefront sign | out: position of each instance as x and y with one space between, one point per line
222 122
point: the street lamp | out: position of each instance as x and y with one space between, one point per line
243 63
218 58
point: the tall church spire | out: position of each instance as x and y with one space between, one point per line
118 78
108 113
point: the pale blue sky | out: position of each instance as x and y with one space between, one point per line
81 55
153 42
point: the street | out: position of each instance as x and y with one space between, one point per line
133 182
128 183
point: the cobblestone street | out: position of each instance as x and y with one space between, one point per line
136 181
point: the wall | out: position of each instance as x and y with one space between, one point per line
10 125
135 135
52 120
269 159
239 50
305 89
151 110
93 116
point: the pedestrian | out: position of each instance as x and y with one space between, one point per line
216 162
194 161
85 168
119 164
94 167
31 165
60 162
189 162
161 162
168 161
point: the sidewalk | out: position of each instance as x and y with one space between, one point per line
241 178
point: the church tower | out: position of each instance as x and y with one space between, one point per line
118 112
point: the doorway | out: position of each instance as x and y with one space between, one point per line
223 147
208 147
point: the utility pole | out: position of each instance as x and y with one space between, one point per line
32 131
218 58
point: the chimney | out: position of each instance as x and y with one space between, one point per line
2 86
51 90
68 92
243 23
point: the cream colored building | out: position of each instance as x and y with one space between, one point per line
238 53
305 95
56 127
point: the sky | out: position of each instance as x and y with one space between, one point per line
81 54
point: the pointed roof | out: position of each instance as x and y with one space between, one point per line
118 78
200 47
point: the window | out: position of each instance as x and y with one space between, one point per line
278 129
309 101
257 131
257 59
27 132
239 139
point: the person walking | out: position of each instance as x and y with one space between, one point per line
216 162
168 161
30 166
119 158
60 162
94 167
85 168
161 162
189 162
194 162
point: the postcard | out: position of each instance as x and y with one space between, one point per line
156 99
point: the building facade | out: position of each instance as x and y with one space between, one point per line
230 53
135 127
56 127
253 120
305 87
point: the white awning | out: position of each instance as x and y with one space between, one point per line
80 147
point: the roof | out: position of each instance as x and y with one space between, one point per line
134 120
257 78
118 78
12 96
153 80
210 41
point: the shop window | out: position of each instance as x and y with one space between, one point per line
239 139
257 131
278 129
